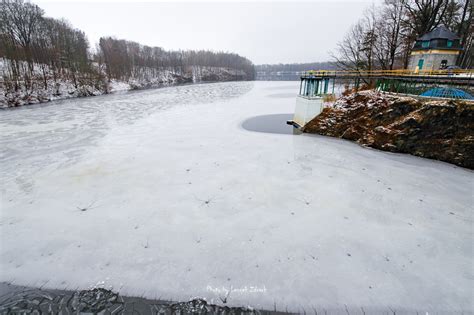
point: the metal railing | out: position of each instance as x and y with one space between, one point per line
388 73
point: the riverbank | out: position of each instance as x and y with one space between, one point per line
441 130
42 89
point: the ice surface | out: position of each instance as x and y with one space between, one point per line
163 193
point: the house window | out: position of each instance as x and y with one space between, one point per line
425 44
420 64
450 44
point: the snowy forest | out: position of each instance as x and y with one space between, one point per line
383 38
43 58
125 59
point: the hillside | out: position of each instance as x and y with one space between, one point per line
44 85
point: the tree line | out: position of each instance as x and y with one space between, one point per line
295 66
383 38
289 71
27 38
30 41
124 59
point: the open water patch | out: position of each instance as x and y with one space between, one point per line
275 123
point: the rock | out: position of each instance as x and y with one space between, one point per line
441 130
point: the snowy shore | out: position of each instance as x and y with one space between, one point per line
41 90
162 193
436 129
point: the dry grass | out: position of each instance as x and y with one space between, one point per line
329 98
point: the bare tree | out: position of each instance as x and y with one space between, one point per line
465 30
125 59
424 15
349 55
389 36
384 37
19 21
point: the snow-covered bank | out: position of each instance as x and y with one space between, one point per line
45 85
162 193
437 129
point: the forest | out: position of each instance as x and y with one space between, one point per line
42 58
383 38
124 59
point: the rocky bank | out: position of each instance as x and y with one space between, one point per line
441 129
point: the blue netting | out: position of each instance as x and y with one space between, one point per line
449 93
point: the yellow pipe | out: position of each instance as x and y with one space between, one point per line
397 72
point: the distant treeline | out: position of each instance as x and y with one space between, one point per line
290 71
124 59
29 40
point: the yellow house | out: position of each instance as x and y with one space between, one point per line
435 50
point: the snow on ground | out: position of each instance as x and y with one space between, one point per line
116 86
162 193
90 85
62 88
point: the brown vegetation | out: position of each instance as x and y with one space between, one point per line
441 130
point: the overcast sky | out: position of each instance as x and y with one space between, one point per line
263 31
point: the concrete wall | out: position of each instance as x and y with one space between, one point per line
307 108
432 61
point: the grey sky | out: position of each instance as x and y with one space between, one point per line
264 31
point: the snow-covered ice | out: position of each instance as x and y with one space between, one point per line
163 193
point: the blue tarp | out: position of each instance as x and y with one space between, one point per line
449 93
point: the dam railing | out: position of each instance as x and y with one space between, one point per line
464 73
456 82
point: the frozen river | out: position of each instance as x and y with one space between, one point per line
164 193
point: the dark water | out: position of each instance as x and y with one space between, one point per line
275 123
